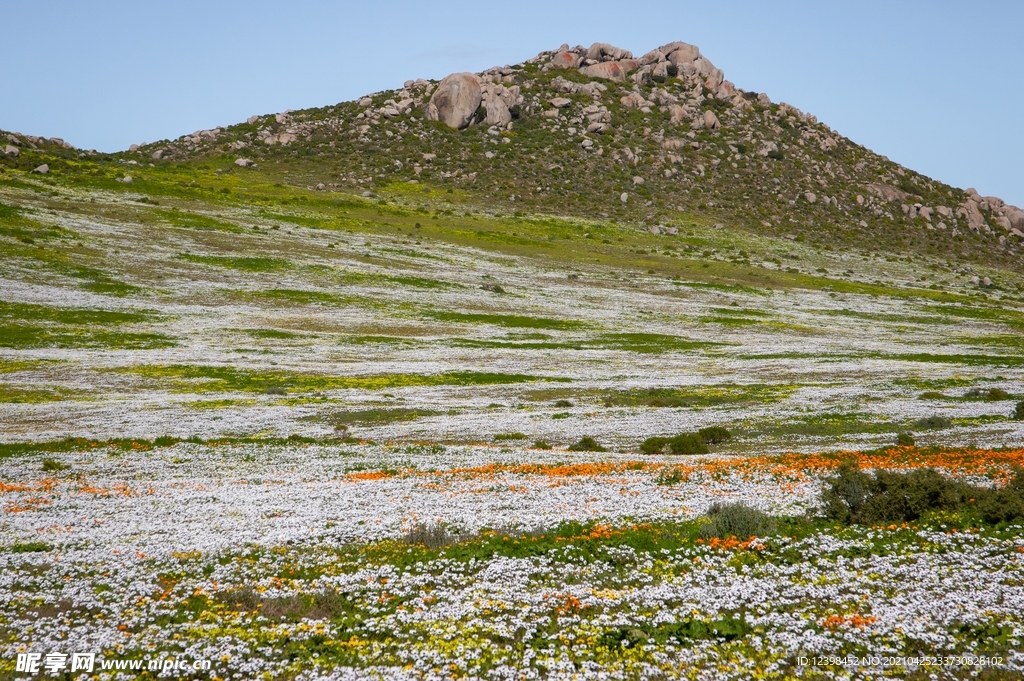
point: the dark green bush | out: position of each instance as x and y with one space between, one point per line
653 445
737 520
905 440
541 444
30 547
688 443
684 443
932 423
987 394
714 434
509 436
52 465
854 496
587 444
1001 506
1018 413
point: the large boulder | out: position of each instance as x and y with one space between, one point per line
497 113
455 101
606 52
1016 217
680 53
564 60
711 120
611 70
12 151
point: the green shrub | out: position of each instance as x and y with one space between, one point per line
688 443
932 423
931 395
30 547
1001 506
541 444
854 496
736 520
433 536
714 434
987 394
587 444
1018 413
654 445
905 440
52 465
500 437
563 403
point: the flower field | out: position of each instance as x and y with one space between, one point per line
292 434
362 561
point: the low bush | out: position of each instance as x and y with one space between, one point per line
987 394
854 496
905 440
432 535
737 520
30 547
1018 413
509 436
713 435
653 445
932 423
541 444
587 444
684 443
52 466
688 443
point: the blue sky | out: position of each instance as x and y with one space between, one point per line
937 86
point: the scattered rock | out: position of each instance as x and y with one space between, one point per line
711 120
637 180
810 197
624 197
12 150
43 169
456 100
560 102
365 102
243 162
127 179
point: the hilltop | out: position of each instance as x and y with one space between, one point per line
597 133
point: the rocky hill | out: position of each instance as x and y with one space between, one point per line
597 132
658 141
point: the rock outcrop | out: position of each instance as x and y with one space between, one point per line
455 100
